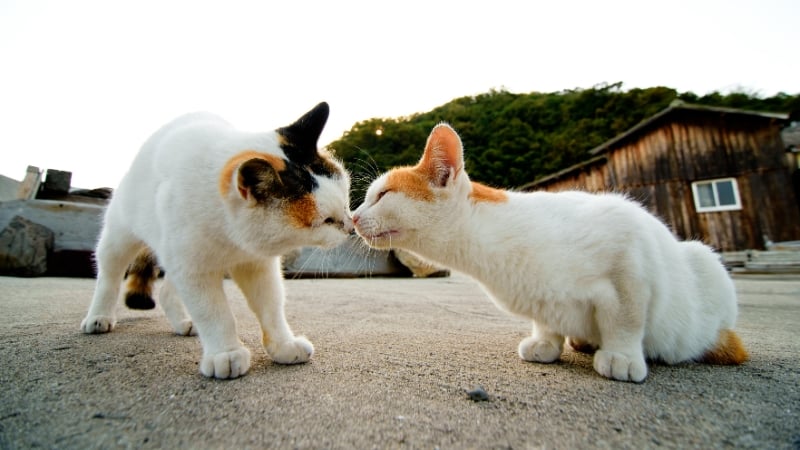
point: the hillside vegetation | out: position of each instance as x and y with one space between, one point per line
512 139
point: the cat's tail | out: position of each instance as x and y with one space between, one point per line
139 282
727 350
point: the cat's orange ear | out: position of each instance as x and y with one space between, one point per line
443 158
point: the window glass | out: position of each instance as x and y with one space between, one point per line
705 195
725 193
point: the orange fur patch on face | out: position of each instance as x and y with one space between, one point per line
728 350
483 193
301 212
411 182
232 164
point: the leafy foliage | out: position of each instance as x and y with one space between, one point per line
512 139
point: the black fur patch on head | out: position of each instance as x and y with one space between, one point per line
299 141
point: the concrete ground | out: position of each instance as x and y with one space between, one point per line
394 360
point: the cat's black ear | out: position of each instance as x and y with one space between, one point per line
299 140
258 181
443 158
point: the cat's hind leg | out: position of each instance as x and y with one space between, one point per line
142 273
262 285
115 250
175 311
543 346
581 345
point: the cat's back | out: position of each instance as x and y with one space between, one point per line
184 151
599 227
177 167
183 140
578 210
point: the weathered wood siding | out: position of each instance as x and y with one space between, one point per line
658 165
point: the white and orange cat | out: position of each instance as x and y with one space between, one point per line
596 269
210 200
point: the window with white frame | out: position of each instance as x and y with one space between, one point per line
716 195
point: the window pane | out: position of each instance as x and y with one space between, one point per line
705 195
725 192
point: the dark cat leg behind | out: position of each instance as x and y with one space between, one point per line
580 345
139 285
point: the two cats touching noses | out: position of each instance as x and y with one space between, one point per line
593 271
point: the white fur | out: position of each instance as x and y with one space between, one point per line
170 201
595 267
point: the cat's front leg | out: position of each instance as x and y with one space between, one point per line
543 346
262 285
224 356
621 325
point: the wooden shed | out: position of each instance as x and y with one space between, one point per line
719 175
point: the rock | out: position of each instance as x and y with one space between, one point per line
24 248
478 395
57 181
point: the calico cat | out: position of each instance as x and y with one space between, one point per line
596 268
209 200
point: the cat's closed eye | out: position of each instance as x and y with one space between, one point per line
381 194
330 221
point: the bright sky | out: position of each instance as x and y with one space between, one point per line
83 83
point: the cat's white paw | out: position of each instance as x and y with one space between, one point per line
185 328
97 324
619 366
296 351
532 349
231 364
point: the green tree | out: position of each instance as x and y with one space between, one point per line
511 139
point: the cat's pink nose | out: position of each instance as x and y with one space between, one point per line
355 219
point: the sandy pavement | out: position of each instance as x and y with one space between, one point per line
394 359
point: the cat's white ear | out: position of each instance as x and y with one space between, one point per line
443 158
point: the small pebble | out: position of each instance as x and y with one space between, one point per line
478 395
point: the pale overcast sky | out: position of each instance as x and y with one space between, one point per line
83 82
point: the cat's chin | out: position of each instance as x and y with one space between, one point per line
333 242
381 240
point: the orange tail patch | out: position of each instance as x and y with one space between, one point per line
728 350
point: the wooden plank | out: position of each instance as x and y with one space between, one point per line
30 184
